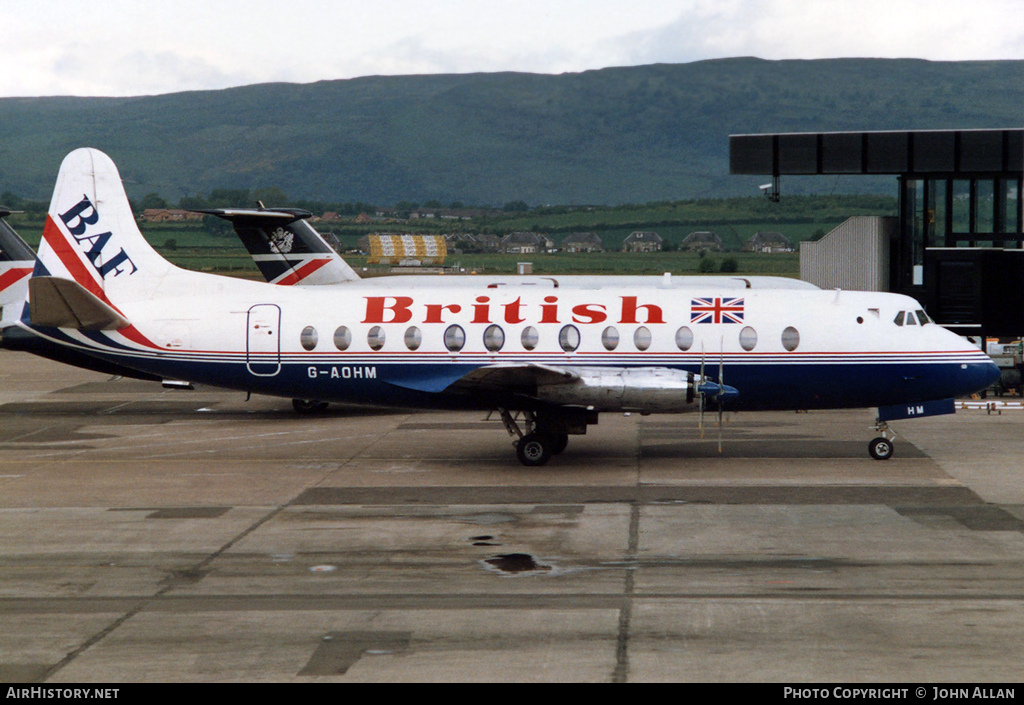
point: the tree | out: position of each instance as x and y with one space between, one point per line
271 197
216 226
152 201
230 198
516 207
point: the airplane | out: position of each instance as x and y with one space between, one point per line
549 354
288 251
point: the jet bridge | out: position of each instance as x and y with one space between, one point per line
959 247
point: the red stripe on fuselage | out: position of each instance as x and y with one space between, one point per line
302 272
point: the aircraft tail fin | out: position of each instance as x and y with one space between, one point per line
91 237
287 250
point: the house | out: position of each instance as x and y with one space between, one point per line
768 242
702 241
525 243
470 242
582 242
642 242
169 215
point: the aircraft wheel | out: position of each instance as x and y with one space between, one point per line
558 442
881 448
309 406
534 449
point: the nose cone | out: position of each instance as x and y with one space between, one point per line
986 374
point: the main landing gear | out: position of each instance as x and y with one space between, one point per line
544 436
881 448
537 448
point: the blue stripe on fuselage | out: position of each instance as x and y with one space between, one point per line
762 386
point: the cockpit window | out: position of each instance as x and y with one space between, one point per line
911 318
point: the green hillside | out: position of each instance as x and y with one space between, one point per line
618 135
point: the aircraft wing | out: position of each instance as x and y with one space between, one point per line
520 378
489 380
643 389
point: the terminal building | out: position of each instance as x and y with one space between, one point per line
957 243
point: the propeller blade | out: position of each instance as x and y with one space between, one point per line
700 421
719 426
721 386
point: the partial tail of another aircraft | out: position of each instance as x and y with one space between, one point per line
16 264
285 247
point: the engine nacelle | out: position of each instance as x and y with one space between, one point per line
641 389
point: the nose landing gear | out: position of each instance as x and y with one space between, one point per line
882 448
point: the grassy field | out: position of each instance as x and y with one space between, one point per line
194 248
207 248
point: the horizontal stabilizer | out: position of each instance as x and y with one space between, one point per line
63 303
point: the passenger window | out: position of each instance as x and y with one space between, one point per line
569 338
790 338
684 338
748 338
308 338
494 338
899 318
529 338
342 338
413 337
610 338
375 338
454 338
642 338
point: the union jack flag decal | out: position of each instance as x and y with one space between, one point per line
716 310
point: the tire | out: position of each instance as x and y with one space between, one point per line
534 449
309 406
881 448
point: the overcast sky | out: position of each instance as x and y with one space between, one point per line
142 47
